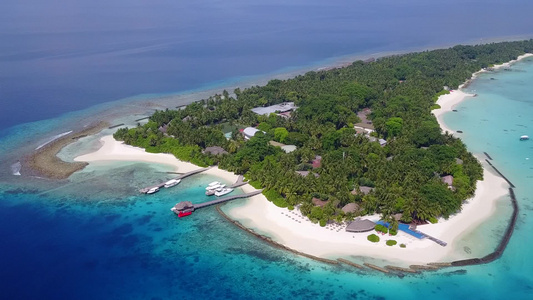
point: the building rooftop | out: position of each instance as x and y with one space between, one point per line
249 132
350 208
277 108
448 179
215 150
318 202
360 225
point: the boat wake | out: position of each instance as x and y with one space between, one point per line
15 168
55 137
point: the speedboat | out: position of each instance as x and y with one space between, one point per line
214 187
213 183
172 183
211 192
153 190
223 192
524 138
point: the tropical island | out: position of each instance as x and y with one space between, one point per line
354 149
363 136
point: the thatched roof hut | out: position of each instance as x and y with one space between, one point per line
215 150
448 179
318 202
184 205
350 208
363 190
360 225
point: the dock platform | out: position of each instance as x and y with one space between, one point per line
189 207
145 190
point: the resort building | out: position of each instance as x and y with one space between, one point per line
350 208
317 162
282 109
318 202
363 190
365 126
306 173
249 132
448 179
382 142
286 148
360 225
215 150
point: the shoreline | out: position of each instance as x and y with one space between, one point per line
43 161
449 101
279 226
291 231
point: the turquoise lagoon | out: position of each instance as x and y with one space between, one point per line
95 237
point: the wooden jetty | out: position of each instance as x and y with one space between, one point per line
429 237
240 182
186 206
145 190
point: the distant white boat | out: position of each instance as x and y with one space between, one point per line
524 138
214 187
172 183
213 191
153 190
213 183
224 192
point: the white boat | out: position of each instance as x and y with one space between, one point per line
153 190
172 183
213 183
223 192
214 187
213 191
524 138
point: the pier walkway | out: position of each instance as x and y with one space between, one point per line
186 207
226 199
144 190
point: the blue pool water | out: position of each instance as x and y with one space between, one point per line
404 228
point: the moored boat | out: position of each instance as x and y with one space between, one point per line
524 138
182 214
153 190
172 183
215 187
223 192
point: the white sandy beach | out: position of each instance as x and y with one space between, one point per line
113 150
449 101
297 232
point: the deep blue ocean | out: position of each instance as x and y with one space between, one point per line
65 63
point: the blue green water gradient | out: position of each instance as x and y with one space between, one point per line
95 237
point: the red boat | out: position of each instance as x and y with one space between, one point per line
184 214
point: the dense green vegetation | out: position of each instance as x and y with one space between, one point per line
400 90
373 238
391 242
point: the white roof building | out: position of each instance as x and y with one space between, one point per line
282 107
249 132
